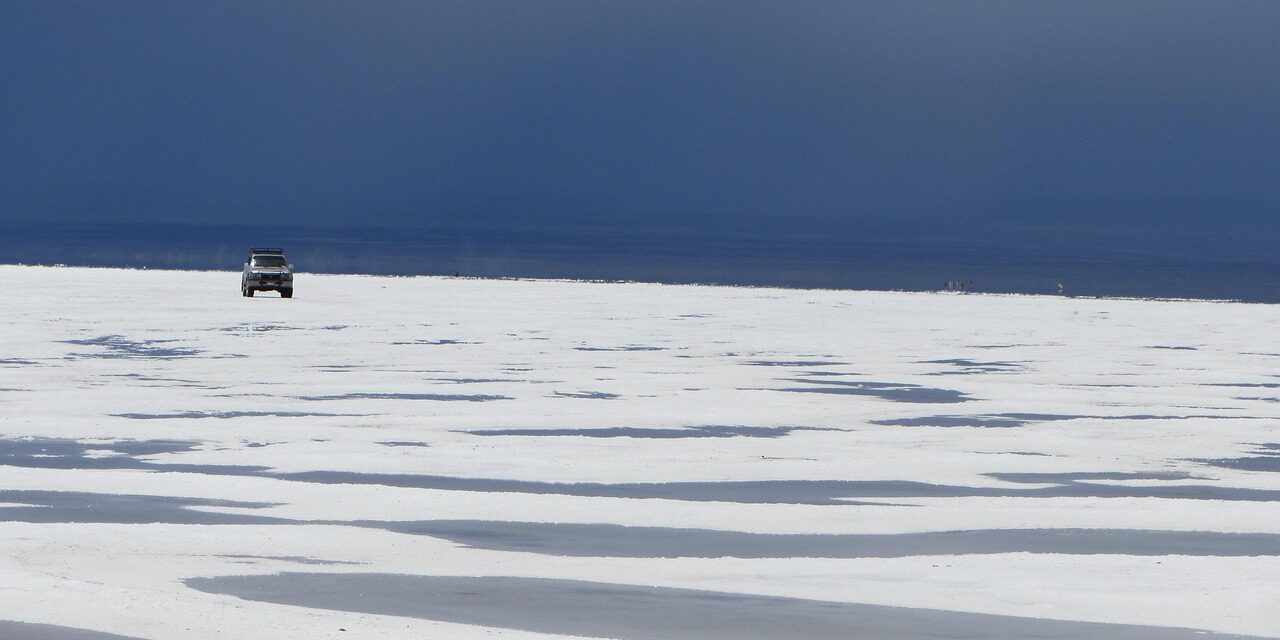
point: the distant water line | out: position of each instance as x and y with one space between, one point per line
741 258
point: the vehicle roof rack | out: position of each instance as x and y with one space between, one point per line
266 250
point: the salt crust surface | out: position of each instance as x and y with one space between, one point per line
86 352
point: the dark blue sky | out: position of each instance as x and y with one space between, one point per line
967 116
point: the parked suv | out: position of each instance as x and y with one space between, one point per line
266 270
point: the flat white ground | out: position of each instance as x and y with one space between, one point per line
129 397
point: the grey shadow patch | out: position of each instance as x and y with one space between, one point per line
293 559
792 363
45 507
998 420
58 453
440 397
894 391
166 382
1173 347
1266 458
815 492
630 347
10 630
952 421
591 395
1115 386
120 347
749 492
1095 484
474 380
629 612
615 541
257 328
17 362
403 443
227 415
442 342
1086 476
1012 346
970 367
1246 385
710 431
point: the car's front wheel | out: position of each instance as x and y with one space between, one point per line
246 292
286 293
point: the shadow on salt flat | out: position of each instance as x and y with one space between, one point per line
46 507
1012 346
226 415
164 382
257 328
615 541
815 492
710 431
58 453
293 559
29 454
440 397
793 363
119 347
894 391
592 395
27 631
629 612
993 421
630 347
474 380
442 342
972 367
998 420
1267 459
16 362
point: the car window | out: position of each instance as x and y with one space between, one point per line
268 261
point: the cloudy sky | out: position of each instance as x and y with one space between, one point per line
974 114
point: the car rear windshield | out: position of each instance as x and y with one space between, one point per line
268 261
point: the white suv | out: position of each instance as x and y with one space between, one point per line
266 270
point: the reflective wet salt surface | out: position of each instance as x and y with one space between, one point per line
653 542
87 507
627 612
10 630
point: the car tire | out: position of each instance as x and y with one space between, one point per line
248 292
286 293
